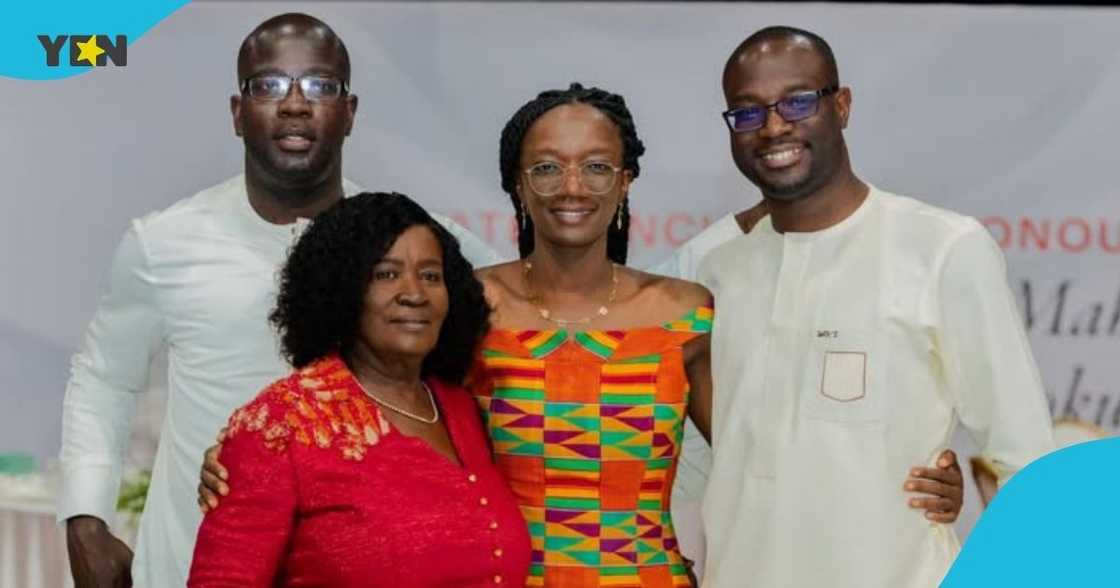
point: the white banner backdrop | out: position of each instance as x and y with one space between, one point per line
1008 114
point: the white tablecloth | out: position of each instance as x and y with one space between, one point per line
32 544
32 547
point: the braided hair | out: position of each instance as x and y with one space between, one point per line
612 105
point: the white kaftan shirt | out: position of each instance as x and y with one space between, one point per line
840 359
696 457
199 280
692 472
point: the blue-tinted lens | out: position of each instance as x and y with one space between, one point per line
747 119
798 106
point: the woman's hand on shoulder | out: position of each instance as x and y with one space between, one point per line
491 289
496 286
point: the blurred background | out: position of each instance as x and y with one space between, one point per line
1004 112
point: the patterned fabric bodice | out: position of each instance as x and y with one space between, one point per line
586 428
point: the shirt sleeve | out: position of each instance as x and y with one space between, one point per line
674 265
242 542
987 358
684 263
105 377
474 249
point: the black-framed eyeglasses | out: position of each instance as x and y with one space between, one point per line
792 108
547 177
275 87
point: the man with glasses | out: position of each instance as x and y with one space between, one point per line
199 279
854 330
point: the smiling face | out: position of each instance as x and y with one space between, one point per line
572 136
787 161
406 301
293 142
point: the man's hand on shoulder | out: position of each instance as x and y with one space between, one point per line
97 558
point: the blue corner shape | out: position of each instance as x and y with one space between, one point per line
1054 524
23 55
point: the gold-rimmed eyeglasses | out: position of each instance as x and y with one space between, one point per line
596 177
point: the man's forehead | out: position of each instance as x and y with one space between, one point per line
794 55
293 54
781 65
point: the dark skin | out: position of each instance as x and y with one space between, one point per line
807 184
285 179
293 147
404 308
571 274
570 266
570 269
802 168
97 558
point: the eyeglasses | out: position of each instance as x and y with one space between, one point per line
273 88
792 108
547 178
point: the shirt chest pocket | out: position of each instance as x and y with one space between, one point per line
839 382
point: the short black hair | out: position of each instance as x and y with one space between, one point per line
324 282
292 24
787 33
612 105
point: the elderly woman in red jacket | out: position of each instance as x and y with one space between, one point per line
368 465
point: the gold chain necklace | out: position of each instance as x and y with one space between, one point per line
546 314
403 412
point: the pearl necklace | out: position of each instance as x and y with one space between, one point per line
428 421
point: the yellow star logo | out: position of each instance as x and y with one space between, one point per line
89 50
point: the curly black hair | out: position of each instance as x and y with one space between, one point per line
612 105
324 281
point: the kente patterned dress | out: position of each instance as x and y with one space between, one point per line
586 428
324 491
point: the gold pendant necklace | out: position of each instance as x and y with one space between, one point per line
435 407
546 314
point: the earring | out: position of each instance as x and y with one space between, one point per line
524 217
618 222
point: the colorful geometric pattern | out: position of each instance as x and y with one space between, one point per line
587 428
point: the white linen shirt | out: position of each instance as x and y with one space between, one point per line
199 280
840 359
696 456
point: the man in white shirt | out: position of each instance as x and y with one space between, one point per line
198 279
854 330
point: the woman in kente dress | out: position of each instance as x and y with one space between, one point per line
590 367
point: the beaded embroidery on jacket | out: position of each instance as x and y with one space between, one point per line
315 405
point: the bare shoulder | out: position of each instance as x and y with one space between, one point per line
675 295
690 294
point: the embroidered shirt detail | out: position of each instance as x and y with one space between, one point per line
314 406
